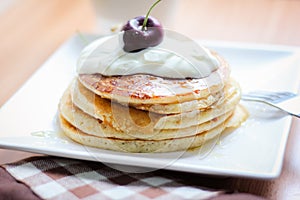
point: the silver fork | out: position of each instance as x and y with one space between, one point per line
285 101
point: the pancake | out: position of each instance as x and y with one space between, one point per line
145 113
92 126
147 89
181 107
173 108
128 119
147 146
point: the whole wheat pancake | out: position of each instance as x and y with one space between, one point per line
143 146
147 89
172 108
182 107
92 126
130 119
198 104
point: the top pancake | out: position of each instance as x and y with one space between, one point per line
147 89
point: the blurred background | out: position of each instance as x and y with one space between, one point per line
31 30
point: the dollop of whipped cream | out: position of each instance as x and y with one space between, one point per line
176 57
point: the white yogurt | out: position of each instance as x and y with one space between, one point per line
176 57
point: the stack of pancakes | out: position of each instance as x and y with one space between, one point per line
145 113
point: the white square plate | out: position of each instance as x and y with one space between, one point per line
256 149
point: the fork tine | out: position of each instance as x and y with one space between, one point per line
259 96
286 94
270 96
267 94
286 101
273 93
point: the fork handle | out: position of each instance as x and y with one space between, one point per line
292 106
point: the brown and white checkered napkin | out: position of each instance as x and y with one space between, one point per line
60 178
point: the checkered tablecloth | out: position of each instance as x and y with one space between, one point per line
60 178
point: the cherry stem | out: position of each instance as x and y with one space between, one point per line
147 15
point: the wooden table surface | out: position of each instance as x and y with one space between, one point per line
31 30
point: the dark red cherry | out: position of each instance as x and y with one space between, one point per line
139 35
